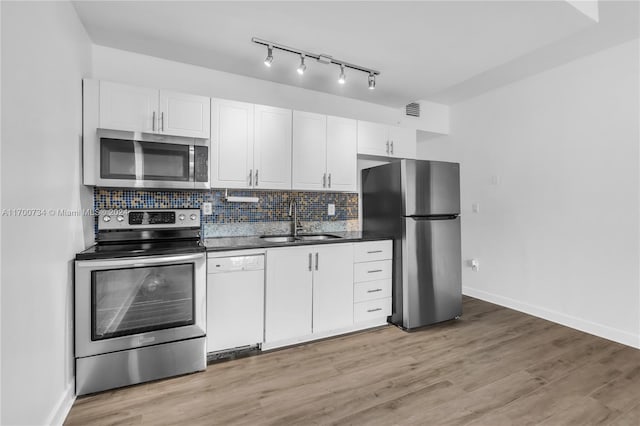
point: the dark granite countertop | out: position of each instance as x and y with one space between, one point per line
254 242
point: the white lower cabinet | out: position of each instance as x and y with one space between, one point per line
309 290
288 295
332 294
372 271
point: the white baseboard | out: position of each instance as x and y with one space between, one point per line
62 408
590 327
377 322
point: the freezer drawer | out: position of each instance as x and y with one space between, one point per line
431 271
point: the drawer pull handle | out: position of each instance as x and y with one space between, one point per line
373 310
374 271
374 291
374 251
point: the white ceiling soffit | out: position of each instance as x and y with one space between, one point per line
619 21
588 7
424 49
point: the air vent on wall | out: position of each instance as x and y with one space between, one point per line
413 109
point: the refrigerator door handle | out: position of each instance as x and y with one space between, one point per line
434 217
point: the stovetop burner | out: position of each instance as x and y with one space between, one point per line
148 232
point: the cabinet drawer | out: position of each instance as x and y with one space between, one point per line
373 250
370 271
371 290
371 309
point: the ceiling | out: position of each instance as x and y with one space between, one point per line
443 51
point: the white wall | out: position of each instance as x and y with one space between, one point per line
45 53
128 67
553 161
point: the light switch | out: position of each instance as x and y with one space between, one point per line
207 208
331 209
495 180
475 207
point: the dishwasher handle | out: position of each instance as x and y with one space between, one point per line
219 265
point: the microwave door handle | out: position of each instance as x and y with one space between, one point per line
192 163
138 160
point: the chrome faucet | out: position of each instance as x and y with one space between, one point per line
293 213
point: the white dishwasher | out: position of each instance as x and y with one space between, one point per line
235 302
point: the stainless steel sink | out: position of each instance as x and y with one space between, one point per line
291 238
278 238
318 237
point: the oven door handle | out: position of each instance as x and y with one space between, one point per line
139 261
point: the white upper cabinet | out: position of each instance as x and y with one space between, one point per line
309 150
141 109
250 146
402 142
386 141
342 154
372 138
129 108
231 144
272 148
324 152
182 114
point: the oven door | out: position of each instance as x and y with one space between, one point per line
127 303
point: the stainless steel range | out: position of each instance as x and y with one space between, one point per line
140 299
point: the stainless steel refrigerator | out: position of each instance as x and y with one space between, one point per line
418 203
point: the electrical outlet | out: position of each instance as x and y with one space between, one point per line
207 208
331 209
474 264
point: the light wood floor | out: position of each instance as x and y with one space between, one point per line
494 366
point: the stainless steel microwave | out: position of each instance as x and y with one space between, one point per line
125 159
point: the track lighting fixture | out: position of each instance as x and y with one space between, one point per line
269 59
322 58
302 67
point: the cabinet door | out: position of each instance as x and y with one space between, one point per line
309 150
372 138
272 148
129 108
288 294
231 144
402 142
332 287
182 114
341 154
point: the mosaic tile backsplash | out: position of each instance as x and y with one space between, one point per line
273 206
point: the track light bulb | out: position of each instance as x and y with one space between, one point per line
372 81
343 77
269 59
302 67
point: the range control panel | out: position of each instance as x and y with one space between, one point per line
148 218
